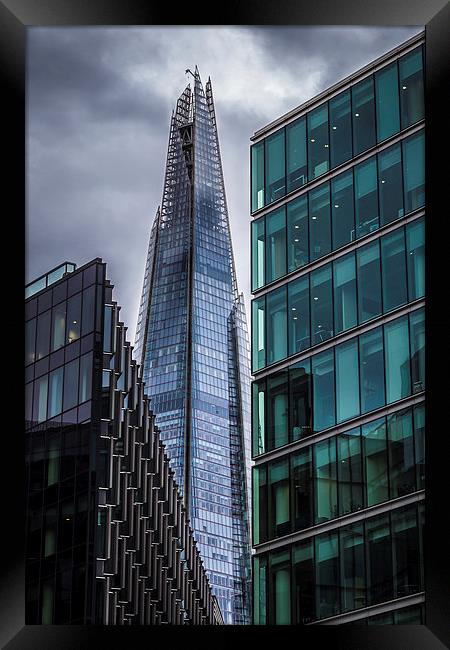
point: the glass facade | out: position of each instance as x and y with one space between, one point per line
191 327
338 336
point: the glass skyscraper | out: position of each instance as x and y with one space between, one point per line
191 340
338 351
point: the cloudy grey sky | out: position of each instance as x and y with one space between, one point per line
99 102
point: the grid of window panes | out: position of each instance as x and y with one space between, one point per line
379 367
355 288
372 194
367 113
363 563
63 323
369 464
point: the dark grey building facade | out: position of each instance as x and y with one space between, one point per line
108 539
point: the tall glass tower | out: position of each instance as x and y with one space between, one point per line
191 340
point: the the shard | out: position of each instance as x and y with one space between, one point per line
192 342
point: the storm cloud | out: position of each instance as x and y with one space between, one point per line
99 102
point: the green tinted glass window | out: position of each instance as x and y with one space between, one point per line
258 333
259 416
318 143
419 444
350 473
340 128
366 197
390 184
276 325
297 171
259 504
300 399
275 244
397 364
406 552
275 167
302 489
369 281
257 176
393 267
342 209
321 305
347 380
417 334
327 575
414 171
304 580
258 253
319 222
325 469
412 98
375 461
363 109
277 410
344 281
371 370
401 454
388 110
415 256
279 518
323 390
297 233
298 314
353 578
379 560
259 590
280 588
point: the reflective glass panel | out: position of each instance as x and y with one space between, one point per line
40 399
277 410
393 267
371 370
363 107
318 143
388 111
275 244
257 176
55 392
321 305
327 575
275 167
259 590
342 209
347 380
258 333
297 173
280 586
379 560
369 281
298 314
390 184
401 454
297 233
412 98
406 552
259 504
302 489
303 577
340 128
30 336
258 253
323 390
276 325
414 171
300 399
325 480
415 257
375 461
353 578
419 444
350 473
397 363
85 388
58 326
366 197
43 334
73 321
258 416
344 280
417 331
88 310
71 384
279 520
319 222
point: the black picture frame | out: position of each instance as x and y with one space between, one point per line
15 17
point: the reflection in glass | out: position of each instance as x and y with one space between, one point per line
297 174
344 280
411 87
340 128
417 325
303 576
258 416
396 350
406 552
363 108
401 454
71 384
319 221
257 176
55 392
326 480
327 575
275 167
43 335
258 333
393 266
375 461
353 578
321 305
73 318
302 489
275 244
415 256
347 380
318 143
276 325
277 409
279 520
379 560
388 114
369 281
350 476
342 209
258 253
366 197
371 370
58 326
297 233
390 184
414 171
280 581
298 314
259 506
300 399
323 390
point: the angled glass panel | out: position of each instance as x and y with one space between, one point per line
342 209
279 519
259 504
298 314
275 244
408 616
347 380
275 167
419 444
363 108
88 311
55 392
280 587
85 387
323 390
390 184
277 410
40 399
297 171
257 176
327 575
388 109
71 384
318 143
30 341
300 399
379 560
402 468
259 590
304 580
397 361
326 498
375 461
344 281
393 267
417 333
302 496
406 552
73 320
340 128
412 97
415 256
414 171
258 253
258 333
43 335
350 471
259 416
353 573
297 233
321 305
319 222
276 325
58 326
369 281
366 197
371 355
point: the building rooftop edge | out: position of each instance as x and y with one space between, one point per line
331 89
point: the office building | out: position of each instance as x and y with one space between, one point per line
338 397
191 340
108 540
